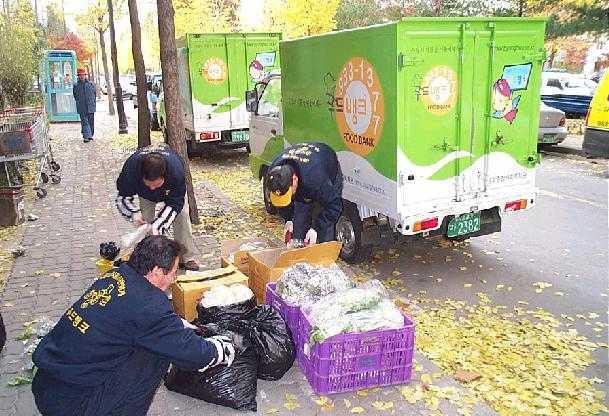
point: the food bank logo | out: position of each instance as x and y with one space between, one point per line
214 71
438 90
359 106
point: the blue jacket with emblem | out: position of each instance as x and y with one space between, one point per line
119 313
319 180
84 95
131 182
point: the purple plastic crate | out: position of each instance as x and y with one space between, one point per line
290 314
349 362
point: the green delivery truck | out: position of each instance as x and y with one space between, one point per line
434 121
214 71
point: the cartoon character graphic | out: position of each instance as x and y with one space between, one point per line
513 78
257 71
504 104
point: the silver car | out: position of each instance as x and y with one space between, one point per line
552 129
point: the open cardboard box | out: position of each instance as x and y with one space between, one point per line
267 266
241 260
188 289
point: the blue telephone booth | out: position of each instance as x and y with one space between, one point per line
59 76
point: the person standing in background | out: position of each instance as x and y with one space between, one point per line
84 94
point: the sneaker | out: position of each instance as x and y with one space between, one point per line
87 140
191 265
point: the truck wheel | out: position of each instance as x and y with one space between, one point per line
266 193
349 232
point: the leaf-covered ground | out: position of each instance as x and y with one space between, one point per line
521 360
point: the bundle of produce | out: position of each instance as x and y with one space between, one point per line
361 309
304 284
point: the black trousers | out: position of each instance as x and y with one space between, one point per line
128 392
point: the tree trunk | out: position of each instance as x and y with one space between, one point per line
102 45
143 114
122 119
173 110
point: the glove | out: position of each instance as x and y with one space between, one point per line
188 324
225 351
137 219
311 237
288 231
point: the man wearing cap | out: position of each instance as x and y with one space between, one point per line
110 350
84 95
302 175
156 175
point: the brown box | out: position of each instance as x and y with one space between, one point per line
188 289
241 260
267 266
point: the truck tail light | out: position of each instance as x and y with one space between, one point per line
516 205
425 224
587 116
209 135
562 121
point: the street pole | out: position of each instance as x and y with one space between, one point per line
122 119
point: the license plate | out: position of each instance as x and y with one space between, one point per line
464 224
548 138
239 136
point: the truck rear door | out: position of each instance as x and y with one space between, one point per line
471 111
208 65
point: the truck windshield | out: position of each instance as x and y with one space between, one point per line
270 101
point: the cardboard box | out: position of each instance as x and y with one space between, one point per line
188 289
241 260
267 266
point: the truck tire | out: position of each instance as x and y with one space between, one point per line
349 232
265 192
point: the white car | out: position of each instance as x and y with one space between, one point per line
552 129
564 83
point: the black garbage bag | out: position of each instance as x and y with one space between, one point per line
229 313
233 386
108 250
273 340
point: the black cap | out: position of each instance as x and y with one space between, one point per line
279 179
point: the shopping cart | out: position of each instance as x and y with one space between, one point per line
24 136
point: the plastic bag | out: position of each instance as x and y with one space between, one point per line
250 246
222 295
303 283
108 250
364 308
233 386
231 312
130 240
273 341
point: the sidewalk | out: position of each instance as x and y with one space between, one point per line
62 246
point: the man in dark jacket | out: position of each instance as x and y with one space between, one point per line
109 352
304 174
84 94
156 175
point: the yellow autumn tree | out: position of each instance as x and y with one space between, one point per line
296 18
196 16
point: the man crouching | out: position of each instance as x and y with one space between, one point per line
109 351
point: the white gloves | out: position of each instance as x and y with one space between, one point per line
137 219
225 351
188 324
288 231
311 237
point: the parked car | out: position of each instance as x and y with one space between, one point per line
570 93
552 129
596 136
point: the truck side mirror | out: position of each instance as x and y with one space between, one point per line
251 101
